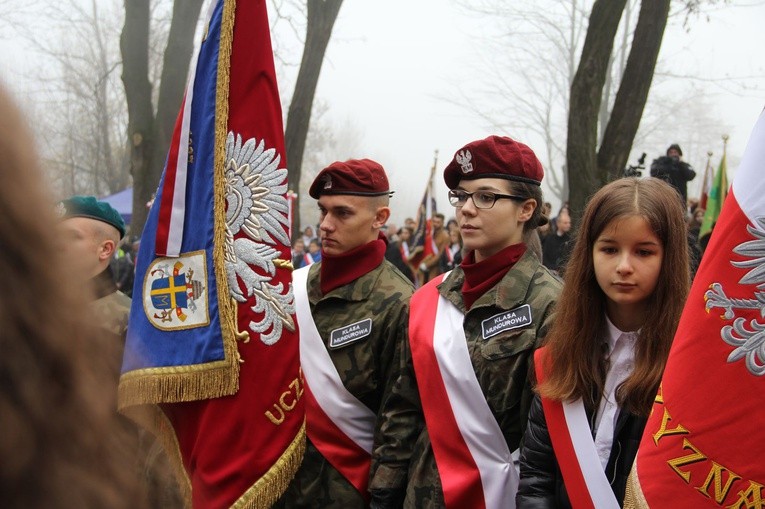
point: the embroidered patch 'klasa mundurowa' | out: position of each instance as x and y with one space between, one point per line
506 320
350 333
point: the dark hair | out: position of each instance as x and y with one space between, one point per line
576 364
535 193
61 442
676 147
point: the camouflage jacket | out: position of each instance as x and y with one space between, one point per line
368 368
110 307
109 311
501 362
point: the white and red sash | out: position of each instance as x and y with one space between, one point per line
405 251
450 255
337 423
586 482
472 456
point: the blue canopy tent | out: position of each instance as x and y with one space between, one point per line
122 202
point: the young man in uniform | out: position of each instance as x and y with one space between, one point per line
90 232
352 310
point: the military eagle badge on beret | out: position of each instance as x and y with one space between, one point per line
463 158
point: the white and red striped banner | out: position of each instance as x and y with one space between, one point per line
337 423
472 456
172 211
703 443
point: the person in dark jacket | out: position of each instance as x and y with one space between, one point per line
555 246
452 254
674 170
629 263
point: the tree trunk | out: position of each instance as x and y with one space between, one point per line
321 19
149 136
134 45
633 90
586 96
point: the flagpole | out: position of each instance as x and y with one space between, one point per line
707 178
433 172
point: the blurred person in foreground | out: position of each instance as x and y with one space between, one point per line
61 444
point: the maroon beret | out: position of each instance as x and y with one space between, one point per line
362 177
494 157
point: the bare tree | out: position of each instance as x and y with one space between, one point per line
327 140
589 168
149 128
586 97
81 115
529 87
320 16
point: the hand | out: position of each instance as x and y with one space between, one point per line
424 267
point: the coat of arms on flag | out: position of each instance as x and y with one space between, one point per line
702 446
174 294
211 359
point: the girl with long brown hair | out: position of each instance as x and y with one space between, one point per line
624 290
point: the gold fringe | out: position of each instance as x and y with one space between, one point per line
269 488
633 496
227 311
177 384
154 420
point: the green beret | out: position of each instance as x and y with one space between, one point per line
89 206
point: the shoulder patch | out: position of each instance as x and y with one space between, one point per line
350 333
506 320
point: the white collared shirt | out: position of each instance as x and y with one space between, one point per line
621 354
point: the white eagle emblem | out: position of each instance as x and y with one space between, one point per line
256 205
463 158
749 341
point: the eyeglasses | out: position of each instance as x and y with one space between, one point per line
481 199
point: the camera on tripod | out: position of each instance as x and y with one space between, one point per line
634 170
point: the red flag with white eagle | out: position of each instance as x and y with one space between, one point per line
702 446
211 357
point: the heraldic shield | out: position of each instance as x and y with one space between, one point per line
174 293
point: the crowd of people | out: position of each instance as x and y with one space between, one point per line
459 356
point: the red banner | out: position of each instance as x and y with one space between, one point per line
702 444
225 372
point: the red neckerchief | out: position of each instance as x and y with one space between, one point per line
483 276
339 270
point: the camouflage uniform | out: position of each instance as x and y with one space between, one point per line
501 362
110 311
111 308
367 368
